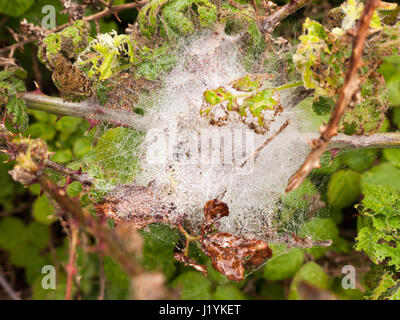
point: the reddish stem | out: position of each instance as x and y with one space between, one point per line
71 269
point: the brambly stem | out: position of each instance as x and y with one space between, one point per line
88 110
92 111
377 140
269 24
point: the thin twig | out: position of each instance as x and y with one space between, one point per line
8 289
269 24
265 143
349 89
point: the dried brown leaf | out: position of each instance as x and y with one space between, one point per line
231 254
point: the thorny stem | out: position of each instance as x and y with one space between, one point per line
88 109
111 242
378 140
91 110
348 91
269 23
71 269
74 175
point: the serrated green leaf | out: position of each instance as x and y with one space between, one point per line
323 105
16 109
158 248
385 283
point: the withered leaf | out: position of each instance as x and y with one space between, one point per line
213 210
231 254
138 205
190 262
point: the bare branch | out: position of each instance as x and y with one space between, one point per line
349 89
88 109
256 152
378 140
269 24
8 289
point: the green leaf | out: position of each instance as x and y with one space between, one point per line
385 284
115 155
39 293
380 225
62 156
396 117
358 160
390 69
74 189
41 130
299 198
323 105
68 124
272 291
393 156
15 8
194 286
16 108
283 266
312 274
38 235
12 233
384 174
24 255
343 188
43 211
115 274
158 248
81 147
319 229
228 292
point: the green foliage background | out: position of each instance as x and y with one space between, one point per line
361 189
